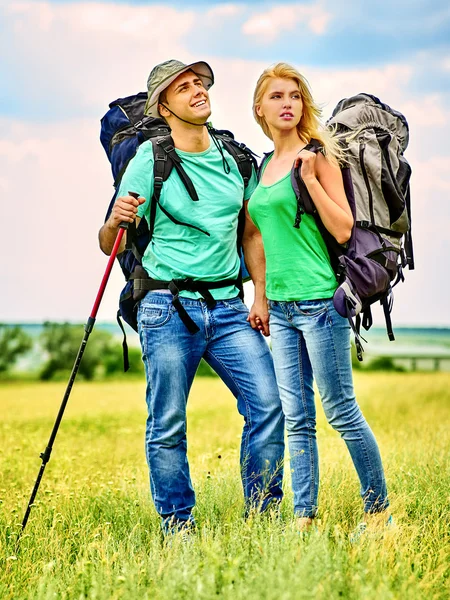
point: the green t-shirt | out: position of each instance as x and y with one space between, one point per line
297 261
177 251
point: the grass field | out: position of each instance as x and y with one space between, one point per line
93 532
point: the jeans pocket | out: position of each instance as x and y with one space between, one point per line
311 308
236 304
154 315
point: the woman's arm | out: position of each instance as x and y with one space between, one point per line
324 183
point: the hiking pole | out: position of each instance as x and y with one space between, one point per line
45 456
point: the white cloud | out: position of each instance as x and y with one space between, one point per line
431 179
134 21
387 82
88 52
41 13
429 111
225 11
268 26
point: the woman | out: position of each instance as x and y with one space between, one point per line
309 338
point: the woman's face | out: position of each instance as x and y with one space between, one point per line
281 104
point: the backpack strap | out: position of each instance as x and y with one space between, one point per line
409 258
244 160
266 157
386 303
243 156
356 328
165 158
367 321
304 200
126 361
166 143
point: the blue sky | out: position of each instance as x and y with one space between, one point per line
65 61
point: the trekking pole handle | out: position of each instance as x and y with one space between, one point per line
125 224
122 228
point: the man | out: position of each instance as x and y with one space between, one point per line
197 240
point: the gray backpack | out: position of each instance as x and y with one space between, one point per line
376 181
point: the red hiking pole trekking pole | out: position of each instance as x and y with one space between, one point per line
45 456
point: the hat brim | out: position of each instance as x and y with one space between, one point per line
202 69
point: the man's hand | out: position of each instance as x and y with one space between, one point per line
125 209
259 317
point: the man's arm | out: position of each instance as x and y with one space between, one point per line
125 209
256 264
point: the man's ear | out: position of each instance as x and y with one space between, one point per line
163 110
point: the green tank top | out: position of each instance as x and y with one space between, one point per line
297 261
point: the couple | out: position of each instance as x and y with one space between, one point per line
294 284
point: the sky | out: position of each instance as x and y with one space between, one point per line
64 61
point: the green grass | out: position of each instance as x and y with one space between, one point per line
93 532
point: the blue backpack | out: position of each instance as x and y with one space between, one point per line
123 128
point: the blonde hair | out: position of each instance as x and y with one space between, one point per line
309 126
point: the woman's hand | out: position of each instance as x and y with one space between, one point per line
308 168
259 316
323 180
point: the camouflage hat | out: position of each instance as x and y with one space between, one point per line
162 76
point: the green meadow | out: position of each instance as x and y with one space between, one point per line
93 532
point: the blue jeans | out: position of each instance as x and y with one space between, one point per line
310 339
242 359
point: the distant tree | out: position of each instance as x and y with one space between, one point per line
113 360
61 342
14 342
384 363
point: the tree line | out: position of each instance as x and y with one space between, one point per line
103 357
59 344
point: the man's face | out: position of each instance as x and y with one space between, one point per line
187 98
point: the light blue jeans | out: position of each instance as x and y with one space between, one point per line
311 340
241 357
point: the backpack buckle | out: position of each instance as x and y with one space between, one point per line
158 182
168 148
340 271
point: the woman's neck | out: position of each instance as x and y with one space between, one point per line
286 143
